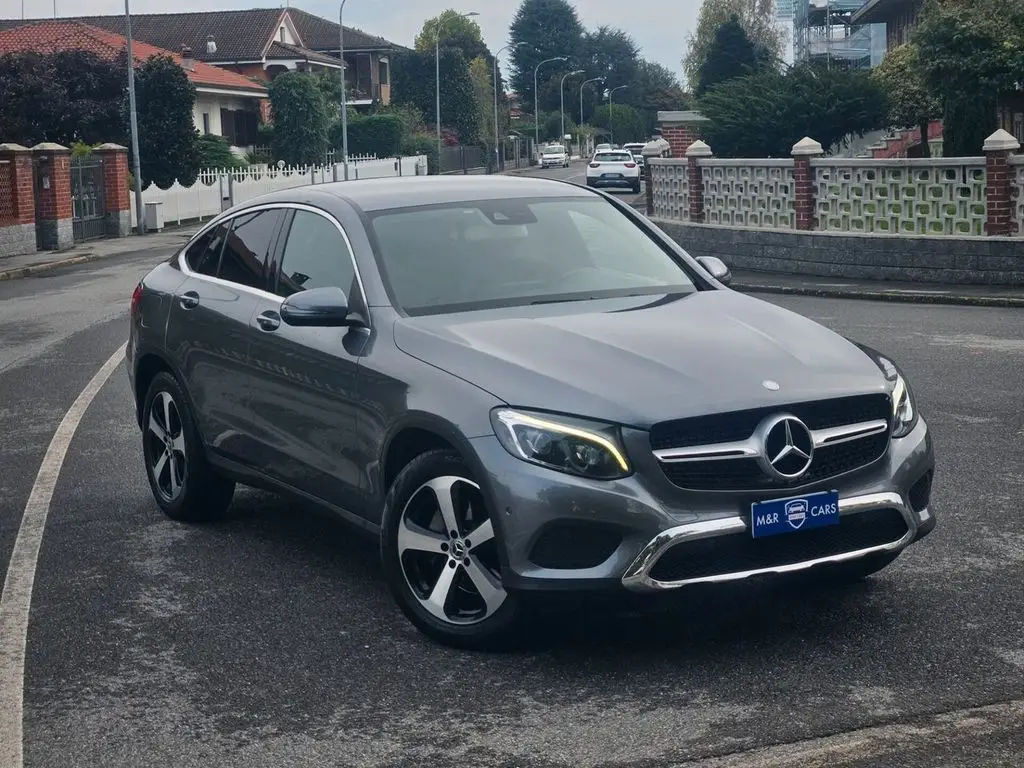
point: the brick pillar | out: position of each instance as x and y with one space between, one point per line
680 130
998 183
695 179
116 194
53 196
803 177
17 203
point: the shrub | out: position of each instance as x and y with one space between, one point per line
300 119
422 144
379 135
215 152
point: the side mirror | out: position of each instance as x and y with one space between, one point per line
717 268
317 307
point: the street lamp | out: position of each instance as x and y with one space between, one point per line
561 96
437 79
611 122
536 102
582 86
344 105
497 155
133 119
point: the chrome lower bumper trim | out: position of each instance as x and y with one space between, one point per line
637 577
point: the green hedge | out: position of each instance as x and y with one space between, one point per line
422 144
379 135
215 152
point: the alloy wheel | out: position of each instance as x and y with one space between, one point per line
448 553
166 446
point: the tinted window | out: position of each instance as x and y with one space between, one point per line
506 252
245 254
203 255
613 157
315 256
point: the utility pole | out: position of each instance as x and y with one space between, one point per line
140 222
344 100
561 96
582 86
536 101
611 121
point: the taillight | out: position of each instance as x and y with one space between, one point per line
631 165
136 298
595 165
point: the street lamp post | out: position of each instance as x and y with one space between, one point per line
536 101
437 79
134 120
582 86
561 96
611 122
497 155
344 100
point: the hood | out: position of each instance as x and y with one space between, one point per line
641 360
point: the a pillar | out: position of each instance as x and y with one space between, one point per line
695 179
803 177
53 196
17 204
998 181
116 191
680 130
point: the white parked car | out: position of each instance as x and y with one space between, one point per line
554 156
637 150
614 168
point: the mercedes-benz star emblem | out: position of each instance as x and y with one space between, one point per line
787 447
772 386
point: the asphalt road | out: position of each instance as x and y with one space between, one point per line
268 639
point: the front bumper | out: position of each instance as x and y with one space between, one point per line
643 517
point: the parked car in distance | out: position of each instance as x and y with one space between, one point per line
636 149
554 156
516 385
614 168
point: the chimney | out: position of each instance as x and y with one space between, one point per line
187 62
211 45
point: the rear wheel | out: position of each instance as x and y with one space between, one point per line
440 555
184 484
636 188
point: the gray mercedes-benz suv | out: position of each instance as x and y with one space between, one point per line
518 385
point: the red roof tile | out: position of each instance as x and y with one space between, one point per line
54 36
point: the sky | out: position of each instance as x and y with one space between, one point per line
660 27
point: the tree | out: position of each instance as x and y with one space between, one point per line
625 124
731 55
413 82
757 17
655 88
457 31
549 28
65 97
612 54
215 152
329 84
911 103
481 77
168 146
765 114
970 55
300 119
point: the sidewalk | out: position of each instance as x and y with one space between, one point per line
922 293
12 267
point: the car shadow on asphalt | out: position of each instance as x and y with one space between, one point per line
707 618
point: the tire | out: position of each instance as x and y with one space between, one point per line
419 560
184 484
858 570
636 188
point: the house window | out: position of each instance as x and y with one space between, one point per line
281 34
206 123
383 72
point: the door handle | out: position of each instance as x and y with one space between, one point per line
269 320
189 300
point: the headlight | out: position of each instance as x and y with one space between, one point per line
560 442
904 414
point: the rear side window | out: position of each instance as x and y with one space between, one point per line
315 256
203 256
245 253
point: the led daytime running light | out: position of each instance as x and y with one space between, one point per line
511 418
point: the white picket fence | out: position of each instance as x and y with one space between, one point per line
217 190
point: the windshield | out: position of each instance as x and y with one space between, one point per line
481 254
613 157
554 151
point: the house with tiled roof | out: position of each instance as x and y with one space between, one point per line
227 104
261 43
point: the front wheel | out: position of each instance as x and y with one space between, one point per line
440 555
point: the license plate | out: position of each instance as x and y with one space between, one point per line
611 175
799 513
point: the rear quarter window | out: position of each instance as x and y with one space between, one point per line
203 256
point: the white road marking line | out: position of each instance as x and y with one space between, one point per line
16 600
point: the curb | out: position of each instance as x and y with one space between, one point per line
893 296
48 266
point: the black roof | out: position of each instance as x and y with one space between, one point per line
240 35
383 194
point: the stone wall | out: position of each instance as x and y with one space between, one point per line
912 258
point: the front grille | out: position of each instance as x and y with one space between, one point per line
740 552
739 425
745 474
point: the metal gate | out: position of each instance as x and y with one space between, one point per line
87 198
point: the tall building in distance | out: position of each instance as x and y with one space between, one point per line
823 30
